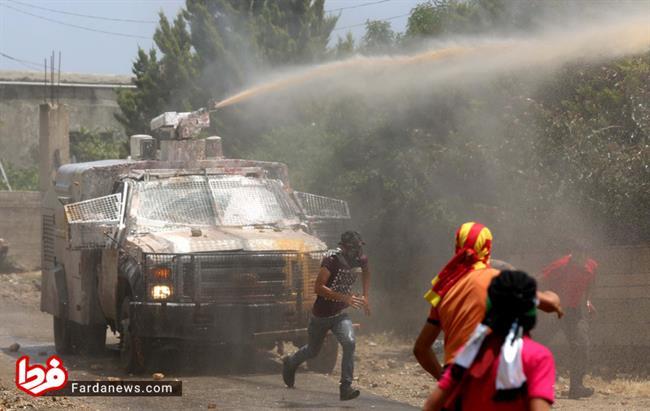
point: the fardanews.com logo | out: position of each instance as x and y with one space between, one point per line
37 379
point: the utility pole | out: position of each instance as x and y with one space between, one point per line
4 175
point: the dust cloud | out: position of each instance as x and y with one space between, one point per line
406 252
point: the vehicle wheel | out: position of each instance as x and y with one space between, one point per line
62 335
325 361
134 350
93 339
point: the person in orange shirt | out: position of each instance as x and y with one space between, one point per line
501 367
458 297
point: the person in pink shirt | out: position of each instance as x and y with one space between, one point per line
501 367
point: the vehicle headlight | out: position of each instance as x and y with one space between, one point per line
161 292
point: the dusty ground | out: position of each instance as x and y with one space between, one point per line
18 293
209 380
385 367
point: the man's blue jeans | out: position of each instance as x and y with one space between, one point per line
341 327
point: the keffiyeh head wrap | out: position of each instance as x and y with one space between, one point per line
472 252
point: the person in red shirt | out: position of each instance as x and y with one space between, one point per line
572 278
501 367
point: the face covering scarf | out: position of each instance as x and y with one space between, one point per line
472 252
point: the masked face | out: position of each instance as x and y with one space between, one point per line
352 250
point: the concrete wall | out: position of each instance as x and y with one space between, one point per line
91 106
621 294
20 225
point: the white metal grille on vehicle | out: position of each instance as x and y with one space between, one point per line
315 206
93 223
220 200
239 276
97 210
181 200
242 201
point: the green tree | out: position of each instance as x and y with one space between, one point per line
344 47
139 106
444 17
379 37
436 18
20 178
87 145
213 46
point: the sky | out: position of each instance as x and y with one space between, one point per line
90 42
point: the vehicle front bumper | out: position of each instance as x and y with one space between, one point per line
213 322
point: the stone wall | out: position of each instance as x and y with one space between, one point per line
91 106
20 225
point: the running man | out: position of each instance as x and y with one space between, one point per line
339 271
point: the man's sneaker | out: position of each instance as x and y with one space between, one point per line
288 372
580 392
348 393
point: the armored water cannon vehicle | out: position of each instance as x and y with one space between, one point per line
178 244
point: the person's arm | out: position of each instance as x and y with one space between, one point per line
539 369
591 309
365 278
549 302
538 404
423 349
436 400
324 291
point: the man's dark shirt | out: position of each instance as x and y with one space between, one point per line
343 274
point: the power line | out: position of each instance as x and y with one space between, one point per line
74 25
364 23
356 6
25 63
83 15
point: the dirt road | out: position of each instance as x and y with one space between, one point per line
205 384
388 375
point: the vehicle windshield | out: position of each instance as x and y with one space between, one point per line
210 201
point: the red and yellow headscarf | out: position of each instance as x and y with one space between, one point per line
473 246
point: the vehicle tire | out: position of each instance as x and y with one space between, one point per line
93 339
62 335
135 351
325 361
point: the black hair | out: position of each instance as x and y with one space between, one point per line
511 297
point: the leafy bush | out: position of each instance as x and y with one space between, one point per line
20 179
87 145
